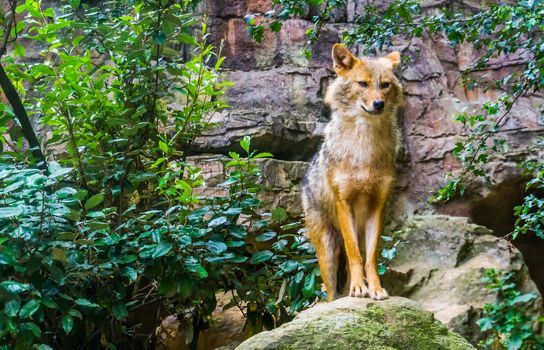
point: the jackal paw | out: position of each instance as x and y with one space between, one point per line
378 293
358 290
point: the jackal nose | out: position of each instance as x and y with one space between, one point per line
378 105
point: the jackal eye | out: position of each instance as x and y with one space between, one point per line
384 85
363 84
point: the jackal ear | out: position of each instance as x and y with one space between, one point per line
343 59
393 58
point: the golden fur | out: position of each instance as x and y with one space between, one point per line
347 185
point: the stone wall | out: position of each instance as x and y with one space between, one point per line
278 100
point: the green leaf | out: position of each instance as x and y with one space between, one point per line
308 289
194 266
12 307
9 212
64 192
44 347
59 254
85 302
67 323
237 231
515 342
163 146
98 225
159 38
238 259
48 302
485 324
265 236
185 287
127 259
289 265
29 308
279 214
261 257
279 245
120 310
162 249
94 201
48 12
19 50
234 244
217 221
382 269
130 273
233 211
14 287
33 328
245 143
524 298
186 39
275 26
75 313
389 254
216 247
60 173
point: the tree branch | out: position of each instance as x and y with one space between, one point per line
15 100
22 117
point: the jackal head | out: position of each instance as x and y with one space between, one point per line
366 86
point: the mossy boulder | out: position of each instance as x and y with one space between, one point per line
353 323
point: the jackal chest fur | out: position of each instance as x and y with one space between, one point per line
361 154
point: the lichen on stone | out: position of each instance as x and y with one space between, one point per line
352 323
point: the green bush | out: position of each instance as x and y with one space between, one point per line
117 227
69 273
505 323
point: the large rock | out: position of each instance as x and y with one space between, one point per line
440 265
352 323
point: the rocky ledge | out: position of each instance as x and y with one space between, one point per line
440 264
353 323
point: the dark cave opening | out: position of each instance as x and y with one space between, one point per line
496 211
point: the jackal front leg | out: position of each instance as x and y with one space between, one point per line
355 260
374 227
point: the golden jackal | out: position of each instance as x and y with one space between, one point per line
347 184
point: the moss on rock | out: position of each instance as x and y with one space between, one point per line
352 323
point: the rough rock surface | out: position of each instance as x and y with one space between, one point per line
352 323
441 263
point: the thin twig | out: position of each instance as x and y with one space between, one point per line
236 302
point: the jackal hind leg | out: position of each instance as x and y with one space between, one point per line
326 247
